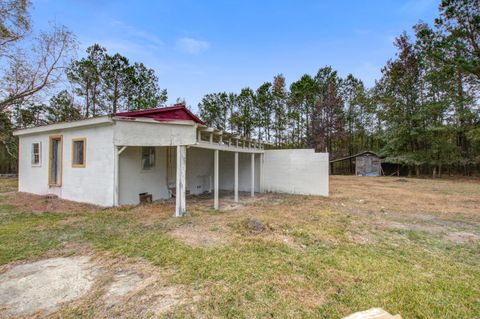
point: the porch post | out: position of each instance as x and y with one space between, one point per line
236 177
115 176
117 151
262 155
252 178
180 204
215 179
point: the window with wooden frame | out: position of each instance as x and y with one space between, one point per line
79 152
55 160
148 157
37 154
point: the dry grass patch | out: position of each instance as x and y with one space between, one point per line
41 204
410 196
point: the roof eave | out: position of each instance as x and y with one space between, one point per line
106 119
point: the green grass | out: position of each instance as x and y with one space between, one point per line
414 273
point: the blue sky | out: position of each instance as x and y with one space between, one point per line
199 47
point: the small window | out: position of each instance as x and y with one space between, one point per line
36 154
78 152
148 157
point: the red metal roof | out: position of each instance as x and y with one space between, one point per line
171 113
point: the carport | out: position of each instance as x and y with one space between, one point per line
206 161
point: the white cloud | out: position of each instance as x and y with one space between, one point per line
137 34
192 46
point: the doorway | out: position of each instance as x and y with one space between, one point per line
55 161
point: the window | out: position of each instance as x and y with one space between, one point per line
79 152
148 157
36 154
55 161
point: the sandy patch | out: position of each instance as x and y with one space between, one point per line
123 284
136 289
105 286
45 285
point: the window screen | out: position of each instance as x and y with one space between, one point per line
36 157
148 157
78 156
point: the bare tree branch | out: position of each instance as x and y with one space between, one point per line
30 74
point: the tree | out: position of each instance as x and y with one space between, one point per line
246 118
14 22
400 93
29 73
26 71
302 96
357 114
456 38
109 83
142 89
327 117
214 110
264 108
62 109
279 99
86 76
116 72
8 144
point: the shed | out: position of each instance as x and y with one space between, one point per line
366 163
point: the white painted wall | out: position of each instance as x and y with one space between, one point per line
92 184
199 170
200 167
227 173
296 171
133 133
134 180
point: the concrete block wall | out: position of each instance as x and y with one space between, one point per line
134 180
296 171
90 184
199 170
227 171
200 167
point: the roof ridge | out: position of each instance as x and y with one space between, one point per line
178 106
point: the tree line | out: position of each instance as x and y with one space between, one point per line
423 113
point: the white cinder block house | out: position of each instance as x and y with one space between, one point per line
164 152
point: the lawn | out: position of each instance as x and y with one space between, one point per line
410 246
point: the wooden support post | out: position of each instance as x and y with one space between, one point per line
261 172
253 174
236 178
215 180
199 136
180 203
211 138
116 176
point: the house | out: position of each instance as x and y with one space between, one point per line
166 152
362 164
